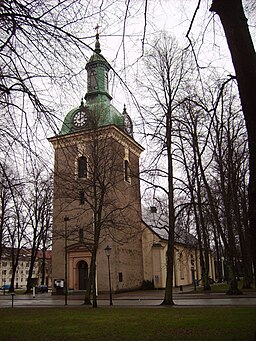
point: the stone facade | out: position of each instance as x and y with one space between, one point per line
96 191
121 214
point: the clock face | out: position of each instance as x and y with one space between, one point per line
80 119
128 125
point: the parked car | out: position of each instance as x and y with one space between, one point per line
5 287
42 288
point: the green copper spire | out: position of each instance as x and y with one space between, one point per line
97 44
97 76
97 107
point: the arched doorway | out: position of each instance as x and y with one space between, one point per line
82 268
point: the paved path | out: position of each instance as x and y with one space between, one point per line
186 298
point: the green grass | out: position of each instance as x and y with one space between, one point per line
133 324
223 288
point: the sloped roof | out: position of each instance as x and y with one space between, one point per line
24 253
111 116
158 223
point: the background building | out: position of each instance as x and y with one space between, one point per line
21 274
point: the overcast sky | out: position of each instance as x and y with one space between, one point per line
171 16
122 51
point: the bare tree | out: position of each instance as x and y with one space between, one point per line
46 222
211 130
193 147
38 205
5 202
165 74
242 51
229 146
16 226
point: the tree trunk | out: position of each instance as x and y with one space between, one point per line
94 293
15 260
43 266
218 255
205 235
168 299
91 285
242 51
87 297
191 187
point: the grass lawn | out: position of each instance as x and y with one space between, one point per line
133 324
223 288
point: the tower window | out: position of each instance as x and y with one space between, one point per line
120 277
92 80
81 235
106 81
82 167
81 197
127 171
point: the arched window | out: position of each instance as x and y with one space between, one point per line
181 266
82 167
81 235
81 197
192 260
127 171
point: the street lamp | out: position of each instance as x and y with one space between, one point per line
193 273
108 252
66 219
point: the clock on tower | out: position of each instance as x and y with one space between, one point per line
80 119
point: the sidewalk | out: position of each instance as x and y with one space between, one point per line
147 294
148 298
186 292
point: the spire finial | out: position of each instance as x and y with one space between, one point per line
97 29
97 43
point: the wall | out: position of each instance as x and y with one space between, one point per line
186 261
121 215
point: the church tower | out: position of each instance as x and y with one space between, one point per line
97 199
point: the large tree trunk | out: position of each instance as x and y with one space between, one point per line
168 299
87 297
191 187
241 47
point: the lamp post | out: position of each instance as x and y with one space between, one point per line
66 219
193 274
108 252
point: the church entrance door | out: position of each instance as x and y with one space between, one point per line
82 267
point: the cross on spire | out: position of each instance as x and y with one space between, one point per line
97 43
97 29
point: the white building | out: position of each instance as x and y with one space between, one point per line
22 270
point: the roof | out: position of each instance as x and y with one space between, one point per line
24 253
109 115
158 223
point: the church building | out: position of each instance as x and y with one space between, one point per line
97 191
97 200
